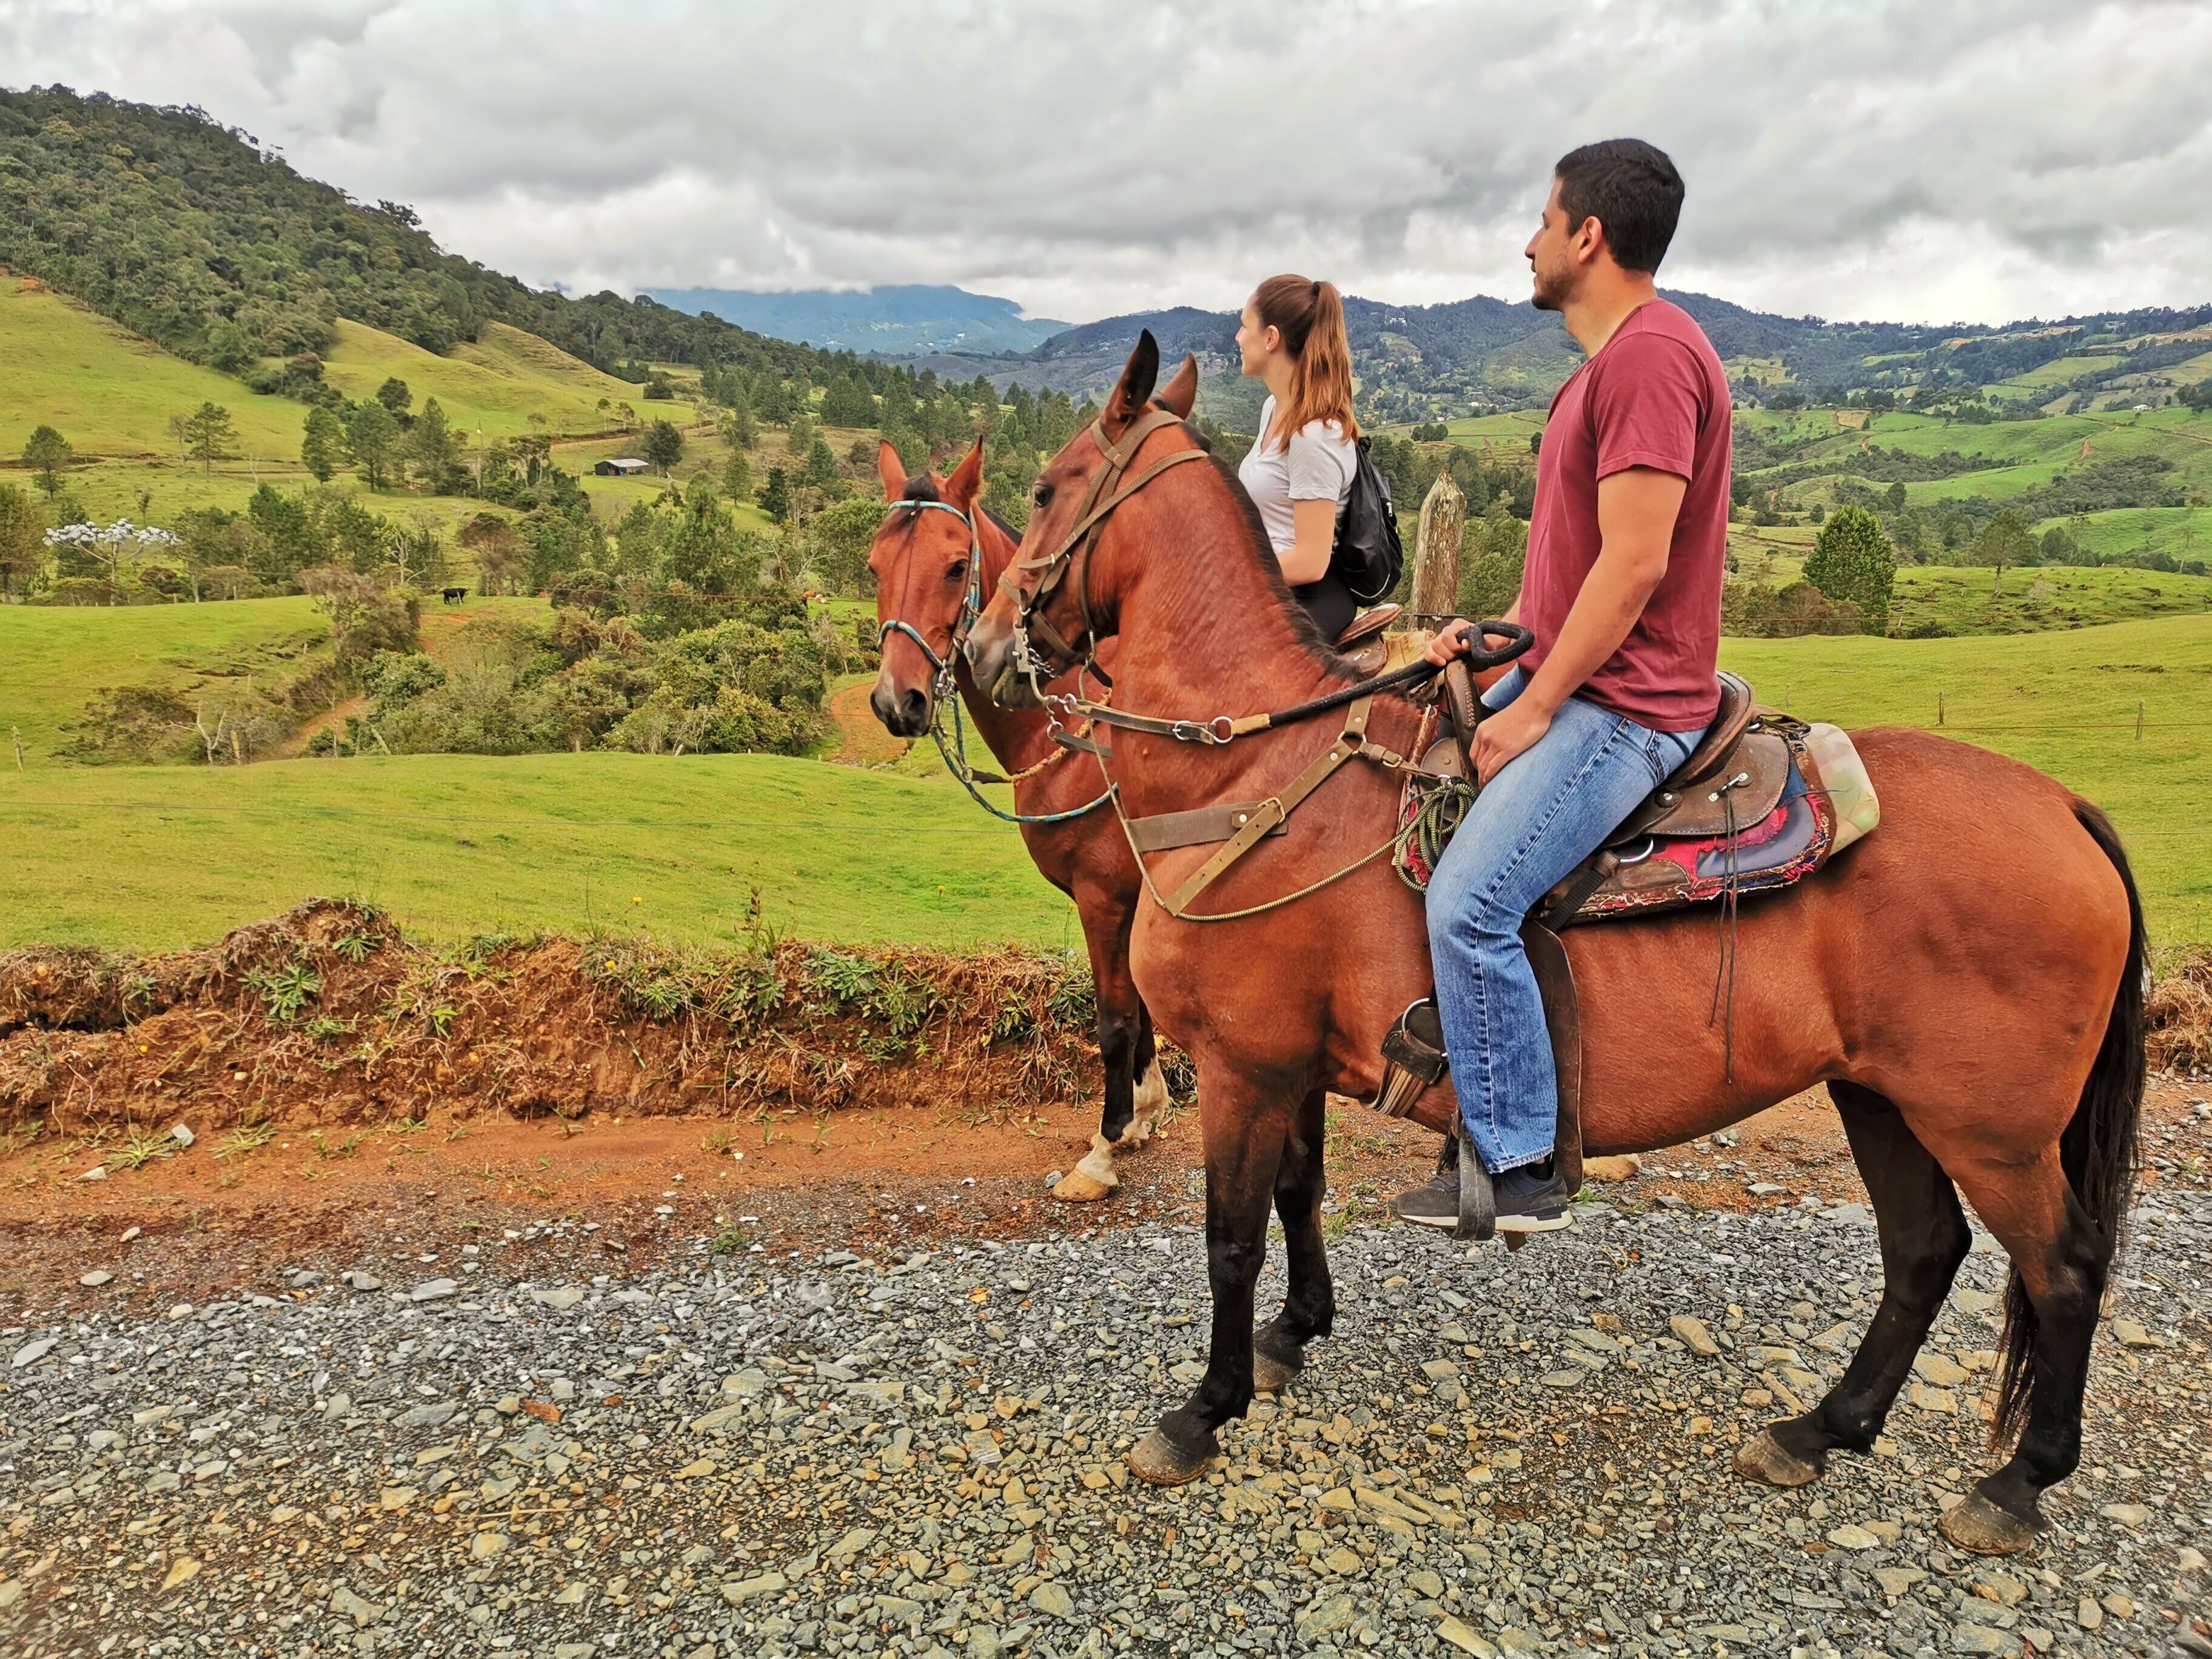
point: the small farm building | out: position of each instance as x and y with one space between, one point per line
623 467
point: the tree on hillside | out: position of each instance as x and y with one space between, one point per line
822 472
372 435
47 453
431 445
2005 540
738 477
22 539
739 429
322 444
776 495
395 396
209 435
498 551
1854 562
664 446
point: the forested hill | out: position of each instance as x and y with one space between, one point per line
193 235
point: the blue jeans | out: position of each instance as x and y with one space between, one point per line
1544 813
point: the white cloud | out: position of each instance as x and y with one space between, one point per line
1874 158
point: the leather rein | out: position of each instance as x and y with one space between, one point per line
1238 826
944 689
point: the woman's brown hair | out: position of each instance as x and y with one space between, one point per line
1310 316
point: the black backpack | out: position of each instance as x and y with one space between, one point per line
1368 556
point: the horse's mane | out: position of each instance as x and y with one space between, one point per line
925 488
1302 627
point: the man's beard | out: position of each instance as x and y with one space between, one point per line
1550 293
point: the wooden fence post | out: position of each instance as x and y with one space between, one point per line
1435 550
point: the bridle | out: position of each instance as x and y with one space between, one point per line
1032 626
945 691
971 605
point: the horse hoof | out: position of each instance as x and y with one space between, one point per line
1155 1460
1763 1458
1976 1525
1271 1375
1091 1179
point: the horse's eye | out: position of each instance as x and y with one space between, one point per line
1041 494
959 572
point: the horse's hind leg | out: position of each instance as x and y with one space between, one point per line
1278 1347
1246 1127
2060 1258
1924 1238
1151 1089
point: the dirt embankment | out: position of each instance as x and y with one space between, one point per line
328 1016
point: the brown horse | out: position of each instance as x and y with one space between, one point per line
931 567
1968 983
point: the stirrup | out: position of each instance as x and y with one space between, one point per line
1413 1058
1478 1198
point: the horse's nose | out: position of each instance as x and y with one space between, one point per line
914 712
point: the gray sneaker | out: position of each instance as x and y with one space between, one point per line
1531 1199
1434 1203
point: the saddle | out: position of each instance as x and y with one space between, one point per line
1361 643
1762 802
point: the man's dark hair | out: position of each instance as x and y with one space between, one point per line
1631 189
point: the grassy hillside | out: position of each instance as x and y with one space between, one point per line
109 391
160 857
497 383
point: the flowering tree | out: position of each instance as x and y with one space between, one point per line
107 543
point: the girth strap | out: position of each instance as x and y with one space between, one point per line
1267 817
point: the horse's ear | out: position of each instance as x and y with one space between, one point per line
1181 392
1134 390
967 479
890 470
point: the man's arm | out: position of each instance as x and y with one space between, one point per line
1636 513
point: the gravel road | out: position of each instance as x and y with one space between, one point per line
738 1453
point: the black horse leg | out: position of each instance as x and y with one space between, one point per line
1309 1304
1924 1238
1247 1125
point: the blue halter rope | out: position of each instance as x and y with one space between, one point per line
945 691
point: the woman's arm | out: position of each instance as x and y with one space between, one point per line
1306 560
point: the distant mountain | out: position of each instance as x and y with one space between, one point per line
1417 362
893 321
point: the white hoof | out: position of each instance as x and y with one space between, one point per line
1091 1179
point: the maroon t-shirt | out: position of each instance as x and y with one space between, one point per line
1655 395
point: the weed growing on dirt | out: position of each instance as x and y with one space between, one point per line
246 1138
140 1148
728 1242
323 1027
716 1141
326 1148
283 991
357 948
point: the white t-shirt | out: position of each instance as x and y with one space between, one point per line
1318 466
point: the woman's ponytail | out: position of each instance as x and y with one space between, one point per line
1309 316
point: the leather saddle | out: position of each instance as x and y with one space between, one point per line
1363 644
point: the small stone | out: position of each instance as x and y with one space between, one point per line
2088 1614
2004 1589
560 1298
97 1172
94 1280
1895 1581
428 1415
1328 1616
1942 1401
1980 1639
359 1280
1849 1537
434 1290
2131 1516
2131 1334
486 1545
2119 1606
1935 1369
181 1135
2038 1637
397 1498
32 1353
347 1605
2189 1560
1624 1167
1437 1370
182 1568
1764 1189
1343 1563
1695 1336
1463 1638
747 1589
1052 1600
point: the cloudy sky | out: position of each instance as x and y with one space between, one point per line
1929 161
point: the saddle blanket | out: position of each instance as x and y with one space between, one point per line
1828 803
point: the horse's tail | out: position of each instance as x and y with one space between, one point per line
2098 1149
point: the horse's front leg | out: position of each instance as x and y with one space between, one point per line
1246 1124
1278 1347
1106 913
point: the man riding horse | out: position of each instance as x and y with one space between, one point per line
1622 590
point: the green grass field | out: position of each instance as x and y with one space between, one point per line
111 392
495 385
155 857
